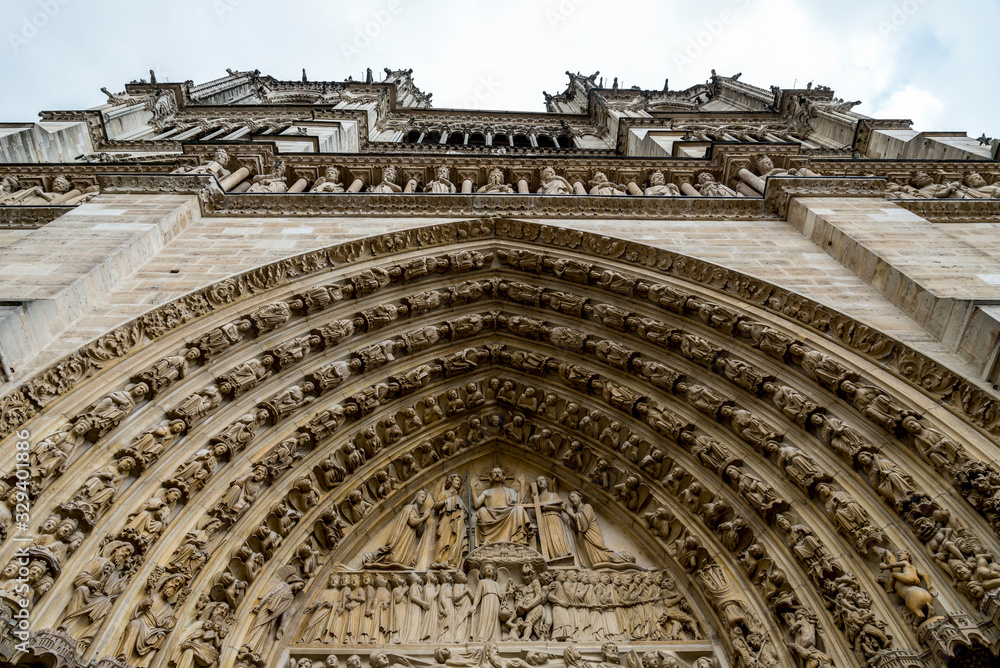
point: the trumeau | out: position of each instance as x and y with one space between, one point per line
507 402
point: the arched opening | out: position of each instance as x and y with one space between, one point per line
522 141
413 136
673 401
545 141
477 139
432 137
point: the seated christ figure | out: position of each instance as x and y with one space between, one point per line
499 516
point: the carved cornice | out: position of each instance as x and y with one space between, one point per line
781 189
459 205
29 217
954 210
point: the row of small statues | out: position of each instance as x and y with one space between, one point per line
276 181
61 192
489 656
922 186
441 606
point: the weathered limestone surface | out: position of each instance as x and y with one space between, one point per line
940 276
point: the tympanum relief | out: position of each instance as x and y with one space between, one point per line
485 559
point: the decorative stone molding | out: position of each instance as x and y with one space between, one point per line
29 217
781 189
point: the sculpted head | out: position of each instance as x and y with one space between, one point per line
575 498
332 174
974 180
496 177
609 651
497 475
921 180
443 173
10 184
354 661
657 178
331 661
334 581
50 524
61 184
548 174
489 570
221 156
389 174
764 165
705 177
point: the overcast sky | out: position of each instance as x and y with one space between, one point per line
934 61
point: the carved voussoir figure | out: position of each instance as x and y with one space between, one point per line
110 411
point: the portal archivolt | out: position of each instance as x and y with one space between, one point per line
784 482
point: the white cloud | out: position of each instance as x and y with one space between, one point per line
922 106
518 48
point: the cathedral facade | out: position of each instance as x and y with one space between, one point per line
309 373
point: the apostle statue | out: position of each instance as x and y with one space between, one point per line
551 527
451 540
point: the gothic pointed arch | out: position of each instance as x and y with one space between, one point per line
793 486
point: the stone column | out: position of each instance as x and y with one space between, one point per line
233 179
298 186
467 186
411 186
356 186
522 186
579 188
753 180
633 189
689 190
